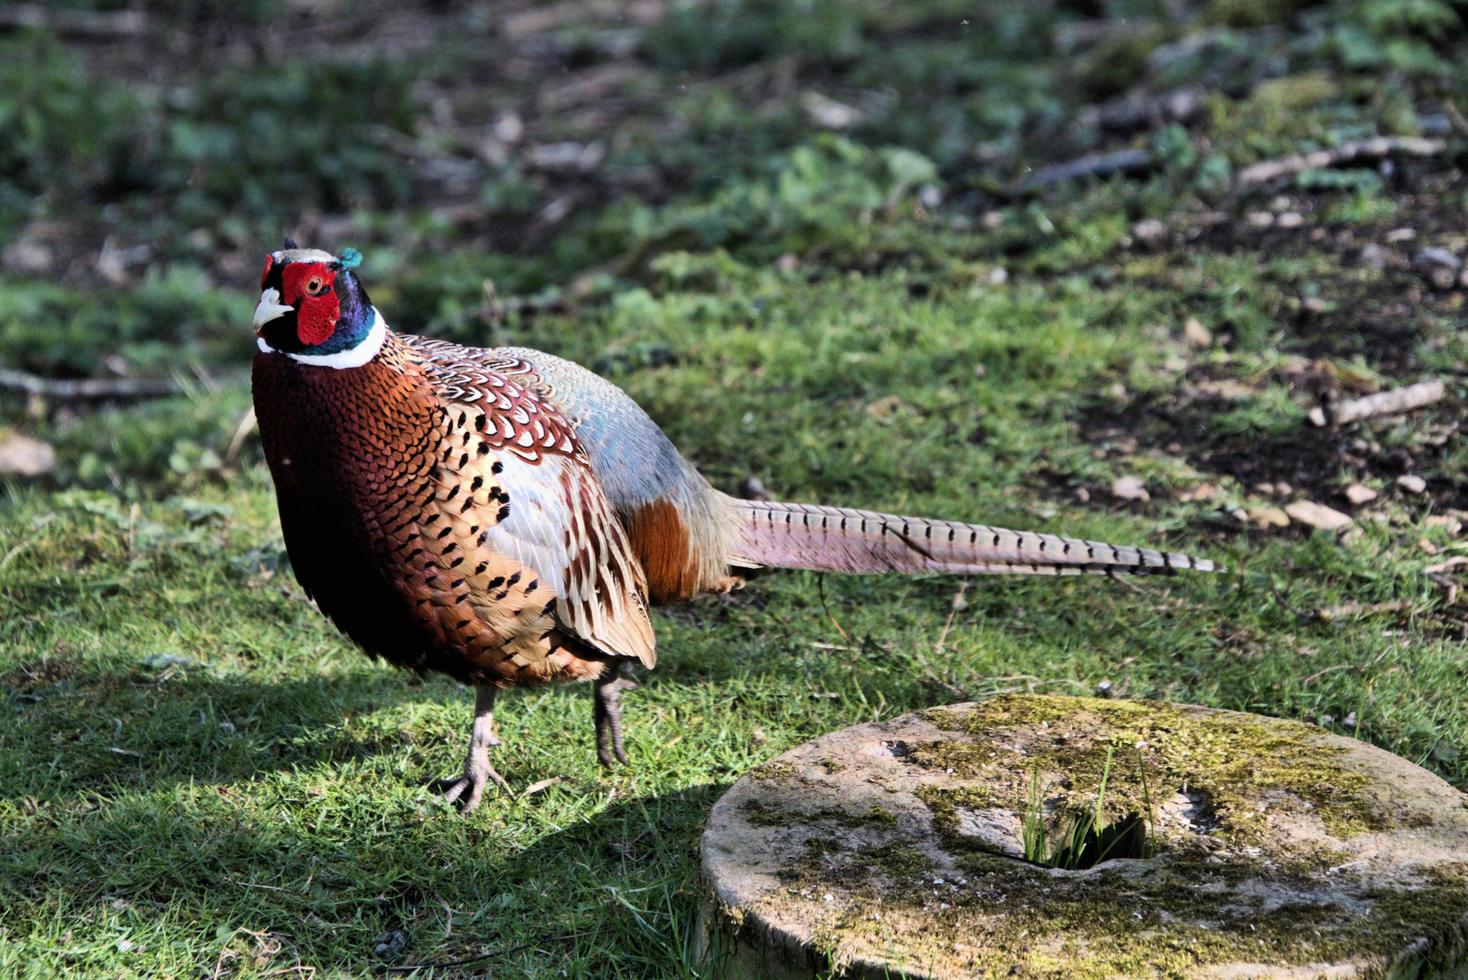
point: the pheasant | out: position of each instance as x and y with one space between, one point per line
507 517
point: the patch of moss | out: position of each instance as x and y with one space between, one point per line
1005 917
772 770
763 814
961 758
899 860
1245 767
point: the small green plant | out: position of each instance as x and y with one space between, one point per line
1082 839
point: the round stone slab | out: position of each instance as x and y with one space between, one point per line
1273 849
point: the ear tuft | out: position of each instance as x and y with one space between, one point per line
290 243
349 258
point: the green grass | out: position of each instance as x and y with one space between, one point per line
199 776
1075 840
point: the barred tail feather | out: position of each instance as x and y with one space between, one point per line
837 539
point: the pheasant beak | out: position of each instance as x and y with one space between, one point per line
269 308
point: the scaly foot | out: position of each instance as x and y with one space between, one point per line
607 713
467 789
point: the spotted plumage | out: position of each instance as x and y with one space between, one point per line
506 517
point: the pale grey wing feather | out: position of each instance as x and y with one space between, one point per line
560 525
633 459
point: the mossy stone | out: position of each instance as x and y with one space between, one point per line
1275 849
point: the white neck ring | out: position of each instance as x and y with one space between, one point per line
350 358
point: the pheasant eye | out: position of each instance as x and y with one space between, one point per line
315 286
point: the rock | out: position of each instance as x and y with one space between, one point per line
1452 525
1359 493
1440 266
826 112
1317 515
1412 483
1203 491
1437 258
1267 515
1290 219
885 407
1149 231
566 156
1196 334
1255 847
390 944
1442 279
1228 389
509 127
165 661
28 258
25 457
1373 256
1129 488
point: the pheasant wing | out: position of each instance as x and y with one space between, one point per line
560 524
524 467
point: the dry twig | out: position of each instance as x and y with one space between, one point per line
104 24
86 389
1125 162
1392 402
953 608
242 430
1350 151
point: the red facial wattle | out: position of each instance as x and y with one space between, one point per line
310 288
265 273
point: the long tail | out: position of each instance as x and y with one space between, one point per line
836 539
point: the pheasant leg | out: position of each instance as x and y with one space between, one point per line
607 712
469 787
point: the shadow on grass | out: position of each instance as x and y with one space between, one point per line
121 731
102 734
200 880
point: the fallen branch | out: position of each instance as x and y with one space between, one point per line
1350 151
1126 162
74 23
86 389
1392 402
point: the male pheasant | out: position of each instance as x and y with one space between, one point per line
506 517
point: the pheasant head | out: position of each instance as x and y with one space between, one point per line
313 308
